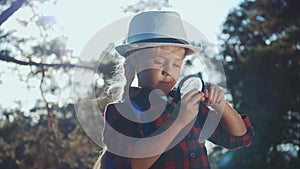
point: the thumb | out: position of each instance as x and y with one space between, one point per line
202 97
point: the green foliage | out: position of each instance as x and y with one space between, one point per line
261 55
56 46
144 5
26 140
28 145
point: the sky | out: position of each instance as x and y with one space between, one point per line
80 20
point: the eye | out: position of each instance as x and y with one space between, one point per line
157 61
177 65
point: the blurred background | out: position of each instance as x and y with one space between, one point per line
258 43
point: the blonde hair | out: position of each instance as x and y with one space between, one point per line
122 79
101 162
118 89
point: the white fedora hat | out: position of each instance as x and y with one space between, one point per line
156 28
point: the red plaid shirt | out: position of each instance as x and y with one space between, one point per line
189 153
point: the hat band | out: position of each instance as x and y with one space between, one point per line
161 40
154 38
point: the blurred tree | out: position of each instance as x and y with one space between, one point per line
143 5
49 135
12 8
261 50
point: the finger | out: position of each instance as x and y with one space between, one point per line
215 94
195 104
196 107
197 97
189 94
202 97
220 96
206 93
207 86
210 94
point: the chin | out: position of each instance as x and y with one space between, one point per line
166 90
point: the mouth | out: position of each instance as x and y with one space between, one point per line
165 83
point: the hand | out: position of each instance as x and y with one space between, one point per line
214 96
189 106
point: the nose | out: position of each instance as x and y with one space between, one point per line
165 73
166 70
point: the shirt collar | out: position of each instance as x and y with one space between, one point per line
142 93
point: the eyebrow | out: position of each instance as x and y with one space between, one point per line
167 57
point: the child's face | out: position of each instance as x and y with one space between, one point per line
159 68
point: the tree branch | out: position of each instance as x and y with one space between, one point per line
11 10
31 63
51 118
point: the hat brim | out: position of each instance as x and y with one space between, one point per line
126 48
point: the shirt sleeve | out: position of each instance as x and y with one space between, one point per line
222 138
119 122
117 127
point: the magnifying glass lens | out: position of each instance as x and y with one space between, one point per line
189 83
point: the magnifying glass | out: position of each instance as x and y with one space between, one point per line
189 83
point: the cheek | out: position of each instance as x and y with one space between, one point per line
175 73
148 76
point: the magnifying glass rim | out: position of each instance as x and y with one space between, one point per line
187 77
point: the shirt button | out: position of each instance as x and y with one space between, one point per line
189 136
193 155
